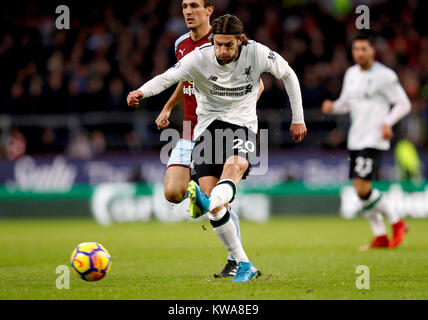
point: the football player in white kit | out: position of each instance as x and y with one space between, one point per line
369 89
226 78
197 15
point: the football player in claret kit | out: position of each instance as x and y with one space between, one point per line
226 76
197 15
369 89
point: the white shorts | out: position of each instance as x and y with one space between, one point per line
181 155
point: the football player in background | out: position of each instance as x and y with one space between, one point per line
369 89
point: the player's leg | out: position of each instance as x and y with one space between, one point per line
362 169
224 227
175 184
224 191
229 270
220 191
231 266
374 200
363 189
379 202
207 184
365 166
229 171
177 174
199 193
379 230
220 218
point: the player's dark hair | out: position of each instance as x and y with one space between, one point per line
230 25
208 3
365 36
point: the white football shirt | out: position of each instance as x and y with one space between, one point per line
368 95
229 92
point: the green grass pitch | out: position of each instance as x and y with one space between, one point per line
300 258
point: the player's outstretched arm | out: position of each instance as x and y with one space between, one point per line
181 71
162 121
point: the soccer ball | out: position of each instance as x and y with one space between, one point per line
90 261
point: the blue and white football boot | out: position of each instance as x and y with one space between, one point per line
246 271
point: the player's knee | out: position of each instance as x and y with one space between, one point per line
236 168
174 195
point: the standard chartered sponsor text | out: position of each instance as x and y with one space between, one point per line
231 92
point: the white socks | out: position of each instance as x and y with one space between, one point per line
223 225
379 203
225 230
235 220
376 222
222 193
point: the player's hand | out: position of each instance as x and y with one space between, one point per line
162 120
134 98
387 132
327 106
298 132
